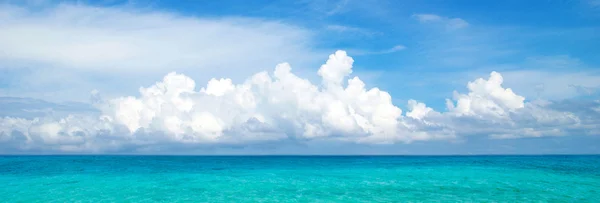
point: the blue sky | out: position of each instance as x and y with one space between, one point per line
66 62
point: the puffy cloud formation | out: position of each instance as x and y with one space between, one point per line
280 101
282 106
486 98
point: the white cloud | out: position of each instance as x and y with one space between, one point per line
594 3
341 28
457 23
528 132
69 47
486 98
280 101
491 109
279 106
394 49
553 85
118 39
449 23
338 7
424 18
345 31
553 78
553 62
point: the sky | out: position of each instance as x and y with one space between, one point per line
300 77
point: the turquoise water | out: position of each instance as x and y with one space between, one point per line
300 178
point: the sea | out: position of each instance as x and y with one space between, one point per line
556 178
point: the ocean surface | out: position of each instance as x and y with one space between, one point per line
300 179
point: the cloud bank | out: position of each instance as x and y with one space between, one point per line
281 106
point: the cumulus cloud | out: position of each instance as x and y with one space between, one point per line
280 105
336 108
486 98
450 23
491 109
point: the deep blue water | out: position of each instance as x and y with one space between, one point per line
300 178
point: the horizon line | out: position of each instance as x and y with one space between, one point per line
306 155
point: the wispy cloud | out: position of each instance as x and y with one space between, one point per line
127 44
450 23
394 49
594 3
327 7
119 39
337 7
425 18
553 62
553 85
350 29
